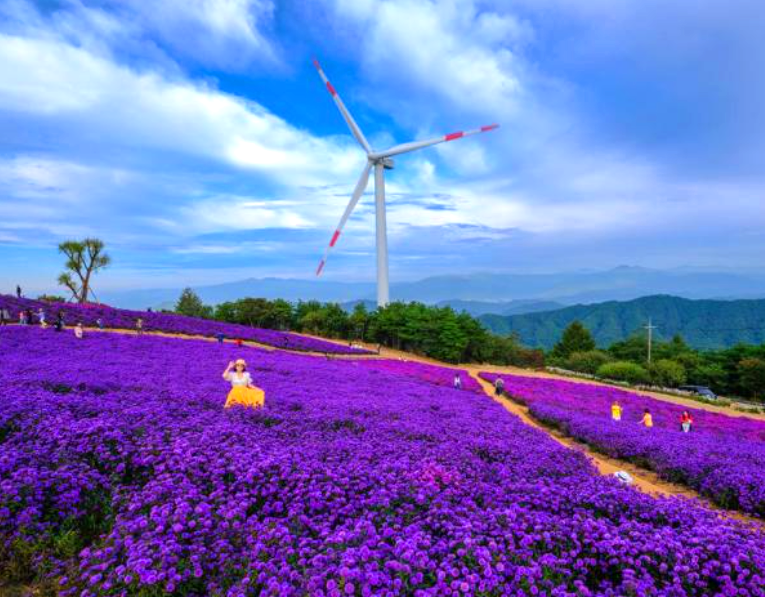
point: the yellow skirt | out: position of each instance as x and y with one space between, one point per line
244 396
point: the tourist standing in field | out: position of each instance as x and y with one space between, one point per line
18 291
100 323
139 326
647 420
5 317
499 386
616 411
41 318
457 382
78 330
22 317
686 422
59 321
243 392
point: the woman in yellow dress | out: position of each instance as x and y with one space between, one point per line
242 391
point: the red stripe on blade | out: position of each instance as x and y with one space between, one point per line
490 127
335 236
316 64
321 267
331 89
453 136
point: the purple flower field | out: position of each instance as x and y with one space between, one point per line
171 323
723 457
121 474
442 376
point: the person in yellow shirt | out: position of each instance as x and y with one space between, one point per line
647 419
616 411
243 392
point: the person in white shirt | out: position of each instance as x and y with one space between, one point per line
243 392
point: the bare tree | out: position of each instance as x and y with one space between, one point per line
84 258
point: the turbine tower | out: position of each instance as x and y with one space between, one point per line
380 161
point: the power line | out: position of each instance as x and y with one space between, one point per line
650 327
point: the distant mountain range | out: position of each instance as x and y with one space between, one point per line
476 308
505 294
704 324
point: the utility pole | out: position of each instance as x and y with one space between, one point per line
650 327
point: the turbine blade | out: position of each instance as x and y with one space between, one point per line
413 145
355 130
361 185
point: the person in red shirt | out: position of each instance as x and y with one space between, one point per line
686 421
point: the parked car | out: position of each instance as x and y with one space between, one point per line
702 391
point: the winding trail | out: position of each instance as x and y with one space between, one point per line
643 479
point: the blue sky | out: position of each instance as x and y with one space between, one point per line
196 139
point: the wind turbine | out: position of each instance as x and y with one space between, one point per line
380 161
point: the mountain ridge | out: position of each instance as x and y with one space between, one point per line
703 323
567 288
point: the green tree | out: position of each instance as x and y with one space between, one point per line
576 338
255 312
709 374
335 321
633 349
84 259
226 312
281 314
313 322
667 373
752 377
359 321
191 305
451 341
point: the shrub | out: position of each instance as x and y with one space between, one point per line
667 373
51 298
624 371
587 362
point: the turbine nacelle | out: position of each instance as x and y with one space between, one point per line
387 163
380 161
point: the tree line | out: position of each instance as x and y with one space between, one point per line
443 334
436 332
736 371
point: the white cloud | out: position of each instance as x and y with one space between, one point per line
460 54
229 213
143 110
51 180
224 34
217 33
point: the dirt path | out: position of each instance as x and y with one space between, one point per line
510 370
645 480
679 400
